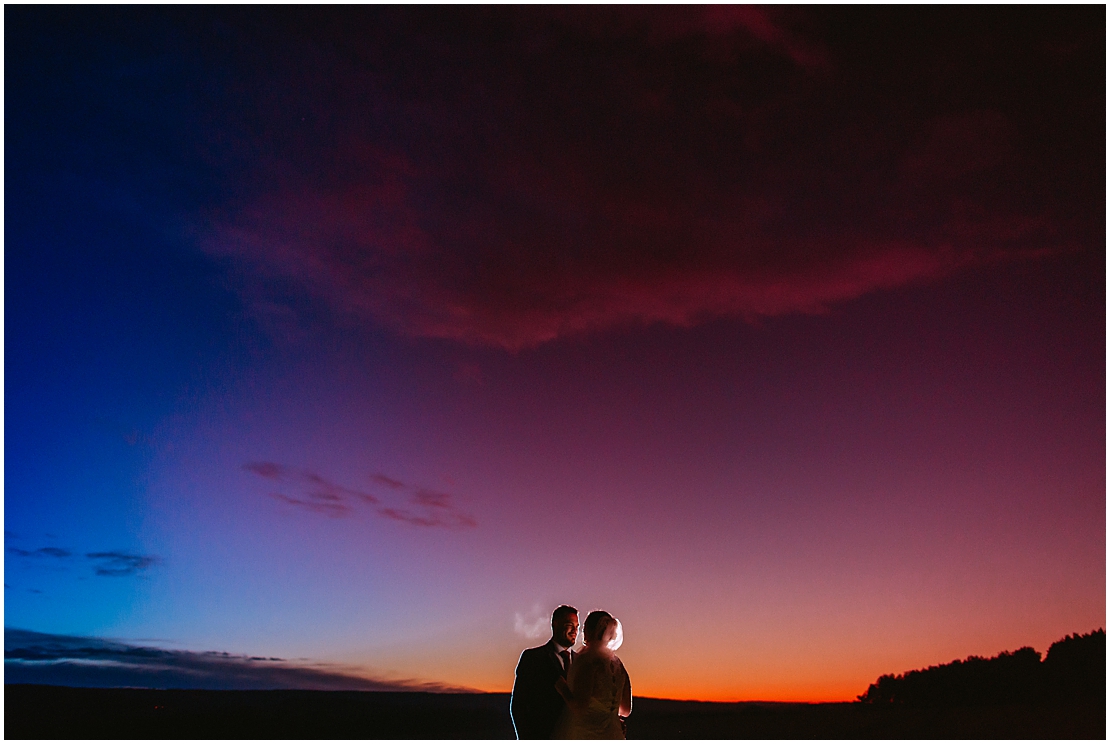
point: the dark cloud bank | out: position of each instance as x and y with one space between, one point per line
506 177
43 658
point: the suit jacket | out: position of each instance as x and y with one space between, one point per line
536 705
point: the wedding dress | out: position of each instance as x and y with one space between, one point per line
601 680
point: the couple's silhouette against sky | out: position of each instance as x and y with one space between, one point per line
560 693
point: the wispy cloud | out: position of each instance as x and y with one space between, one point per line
48 552
327 491
433 499
270 470
451 519
422 508
42 658
385 480
104 563
55 552
116 563
438 511
129 434
325 508
318 491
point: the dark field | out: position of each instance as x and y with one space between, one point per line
43 712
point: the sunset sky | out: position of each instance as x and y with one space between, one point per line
350 342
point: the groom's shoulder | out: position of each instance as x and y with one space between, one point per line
531 653
537 650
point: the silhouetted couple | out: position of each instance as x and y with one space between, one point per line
563 694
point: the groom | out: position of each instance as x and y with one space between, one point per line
536 704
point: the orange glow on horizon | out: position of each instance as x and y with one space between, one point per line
785 694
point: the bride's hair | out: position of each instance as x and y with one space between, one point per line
596 623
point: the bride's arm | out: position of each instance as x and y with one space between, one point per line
626 698
581 687
562 689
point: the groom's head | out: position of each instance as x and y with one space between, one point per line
564 625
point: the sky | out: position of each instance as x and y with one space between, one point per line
342 345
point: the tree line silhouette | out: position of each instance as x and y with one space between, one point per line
1074 669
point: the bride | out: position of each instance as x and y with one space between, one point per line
597 689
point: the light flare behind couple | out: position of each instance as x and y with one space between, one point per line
562 694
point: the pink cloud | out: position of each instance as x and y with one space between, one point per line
499 281
589 171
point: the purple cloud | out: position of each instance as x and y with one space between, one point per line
319 495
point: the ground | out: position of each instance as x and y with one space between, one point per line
44 712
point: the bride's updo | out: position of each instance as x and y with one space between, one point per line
597 622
